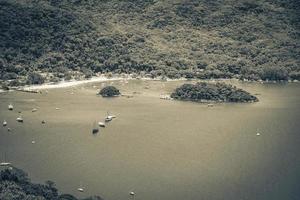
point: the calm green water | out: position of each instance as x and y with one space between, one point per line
160 149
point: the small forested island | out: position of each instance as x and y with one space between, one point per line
15 185
219 92
109 91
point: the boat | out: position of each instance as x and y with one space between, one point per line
20 119
4 123
95 129
109 117
43 122
32 142
210 105
34 110
132 193
8 129
80 189
165 97
258 134
101 124
5 163
10 107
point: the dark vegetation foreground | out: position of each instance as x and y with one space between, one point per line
246 39
15 185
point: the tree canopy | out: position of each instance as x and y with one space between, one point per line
219 92
16 185
109 91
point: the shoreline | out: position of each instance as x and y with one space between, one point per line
72 83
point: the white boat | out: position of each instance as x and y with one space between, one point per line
258 134
10 107
32 142
34 110
132 193
20 119
165 97
4 123
210 105
109 117
80 189
101 124
5 164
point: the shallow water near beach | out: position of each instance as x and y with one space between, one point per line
157 148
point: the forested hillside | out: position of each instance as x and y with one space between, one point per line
252 39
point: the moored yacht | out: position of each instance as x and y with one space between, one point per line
10 107
5 164
109 117
20 119
101 124
95 128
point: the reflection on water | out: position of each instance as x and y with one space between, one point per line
160 149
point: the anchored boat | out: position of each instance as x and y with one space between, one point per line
109 117
5 163
95 129
101 124
10 107
20 119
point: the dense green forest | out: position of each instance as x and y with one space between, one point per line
15 185
219 92
246 39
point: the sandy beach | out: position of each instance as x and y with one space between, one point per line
64 84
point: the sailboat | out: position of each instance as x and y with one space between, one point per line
95 129
257 133
10 107
5 163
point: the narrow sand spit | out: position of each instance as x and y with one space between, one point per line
64 84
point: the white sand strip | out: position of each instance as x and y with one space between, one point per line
64 84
